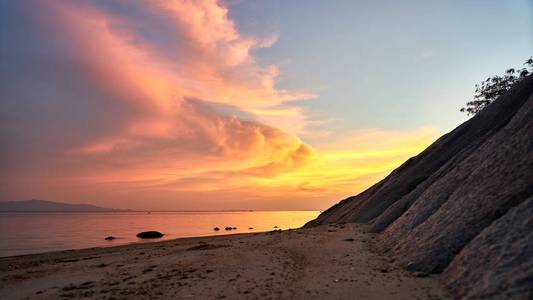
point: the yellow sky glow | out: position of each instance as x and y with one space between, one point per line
174 147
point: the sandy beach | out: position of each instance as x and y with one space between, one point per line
326 262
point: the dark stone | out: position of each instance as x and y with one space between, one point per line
149 235
228 228
250 228
110 238
216 229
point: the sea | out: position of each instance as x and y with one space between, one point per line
29 233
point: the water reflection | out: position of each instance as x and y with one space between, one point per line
24 233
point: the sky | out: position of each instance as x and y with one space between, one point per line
212 105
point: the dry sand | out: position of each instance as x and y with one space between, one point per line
326 262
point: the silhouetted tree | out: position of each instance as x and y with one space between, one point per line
493 87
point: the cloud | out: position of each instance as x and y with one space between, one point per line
154 126
123 101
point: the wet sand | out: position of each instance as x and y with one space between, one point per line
327 262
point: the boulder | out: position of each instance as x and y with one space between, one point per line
109 238
149 235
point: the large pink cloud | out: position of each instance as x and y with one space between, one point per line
163 130
160 104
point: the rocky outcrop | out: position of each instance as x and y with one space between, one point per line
456 196
503 250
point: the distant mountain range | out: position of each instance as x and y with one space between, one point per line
49 206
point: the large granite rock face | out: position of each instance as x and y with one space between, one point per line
473 193
503 250
433 207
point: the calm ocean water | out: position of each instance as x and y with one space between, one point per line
26 233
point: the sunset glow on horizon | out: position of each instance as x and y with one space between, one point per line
168 105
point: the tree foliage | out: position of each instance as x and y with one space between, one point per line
490 89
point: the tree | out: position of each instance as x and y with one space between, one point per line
490 89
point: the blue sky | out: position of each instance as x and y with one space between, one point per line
390 64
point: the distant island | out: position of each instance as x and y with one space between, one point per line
50 206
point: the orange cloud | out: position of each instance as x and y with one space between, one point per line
213 64
167 139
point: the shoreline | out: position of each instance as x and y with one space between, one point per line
327 262
36 233
140 242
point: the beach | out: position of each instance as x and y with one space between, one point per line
325 262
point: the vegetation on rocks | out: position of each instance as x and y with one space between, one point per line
493 87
